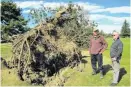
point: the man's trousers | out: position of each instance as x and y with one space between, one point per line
97 58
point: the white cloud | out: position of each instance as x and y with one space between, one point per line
109 28
29 4
111 18
37 4
25 11
122 9
54 4
88 6
93 8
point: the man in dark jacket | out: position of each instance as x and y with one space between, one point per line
96 48
115 54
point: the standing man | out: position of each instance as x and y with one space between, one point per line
96 48
116 53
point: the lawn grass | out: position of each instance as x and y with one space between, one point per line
86 79
77 78
6 51
8 76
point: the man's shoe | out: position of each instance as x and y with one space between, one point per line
93 73
113 84
101 74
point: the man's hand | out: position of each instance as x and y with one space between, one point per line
89 52
114 59
100 52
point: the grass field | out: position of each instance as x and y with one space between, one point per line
77 78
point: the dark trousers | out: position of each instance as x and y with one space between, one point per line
97 58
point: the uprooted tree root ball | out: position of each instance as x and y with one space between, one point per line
43 51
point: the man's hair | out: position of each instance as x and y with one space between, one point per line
116 33
95 30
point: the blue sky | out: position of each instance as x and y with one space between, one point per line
109 14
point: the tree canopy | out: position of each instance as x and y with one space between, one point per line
125 31
12 21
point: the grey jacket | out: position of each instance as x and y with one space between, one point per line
116 49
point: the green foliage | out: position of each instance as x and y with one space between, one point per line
125 31
12 22
109 35
106 35
38 15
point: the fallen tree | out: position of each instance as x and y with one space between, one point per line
44 50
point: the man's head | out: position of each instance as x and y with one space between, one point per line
115 35
95 32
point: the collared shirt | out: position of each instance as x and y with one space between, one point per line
97 44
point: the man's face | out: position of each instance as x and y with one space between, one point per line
94 33
115 36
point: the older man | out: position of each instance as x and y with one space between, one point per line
116 53
96 48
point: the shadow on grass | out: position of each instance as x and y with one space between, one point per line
84 62
106 68
85 56
122 73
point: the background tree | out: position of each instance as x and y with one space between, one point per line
125 31
12 22
102 33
